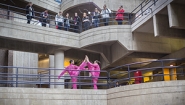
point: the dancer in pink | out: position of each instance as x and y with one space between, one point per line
94 67
73 71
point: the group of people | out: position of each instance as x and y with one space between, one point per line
74 71
88 19
30 13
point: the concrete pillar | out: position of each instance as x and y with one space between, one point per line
51 65
59 64
176 16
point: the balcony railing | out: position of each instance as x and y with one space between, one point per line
128 74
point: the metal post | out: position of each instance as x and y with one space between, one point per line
108 79
141 9
40 80
129 73
16 77
8 13
162 65
49 78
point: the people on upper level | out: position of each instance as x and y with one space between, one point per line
67 22
86 21
44 18
77 22
119 15
29 12
59 20
105 15
96 16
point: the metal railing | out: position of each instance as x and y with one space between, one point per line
145 8
10 10
160 70
31 77
156 68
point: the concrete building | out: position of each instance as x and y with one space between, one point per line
152 30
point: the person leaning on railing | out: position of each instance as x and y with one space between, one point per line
77 21
44 17
96 16
59 19
29 12
86 21
105 15
66 22
119 15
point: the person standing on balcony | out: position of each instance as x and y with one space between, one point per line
59 19
119 15
105 15
77 21
29 12
66 22
96 16
44 18
86 21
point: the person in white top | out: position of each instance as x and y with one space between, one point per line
105 15
59 20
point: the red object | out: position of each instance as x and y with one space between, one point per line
138 79
56 27
119 14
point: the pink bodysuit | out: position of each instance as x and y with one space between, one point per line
72 70
95 75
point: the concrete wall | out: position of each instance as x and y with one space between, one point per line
25 59
112 4
51 5
154 93
35 96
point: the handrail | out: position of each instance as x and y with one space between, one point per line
51 18
107 75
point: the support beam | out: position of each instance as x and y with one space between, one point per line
161 28
176 16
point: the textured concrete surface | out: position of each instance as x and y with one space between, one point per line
176 15
35 96
25 59
112 4
154 93
51 5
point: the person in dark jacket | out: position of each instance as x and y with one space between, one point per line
77 21
29 12
67 22
86 22
44 18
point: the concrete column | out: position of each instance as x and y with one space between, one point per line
59 64
51 65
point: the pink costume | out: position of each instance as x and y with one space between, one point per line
95 75
71 69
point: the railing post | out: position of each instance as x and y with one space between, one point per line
129 73
141 9
40 79
108 79
162 65
8 13
49 78
16 77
